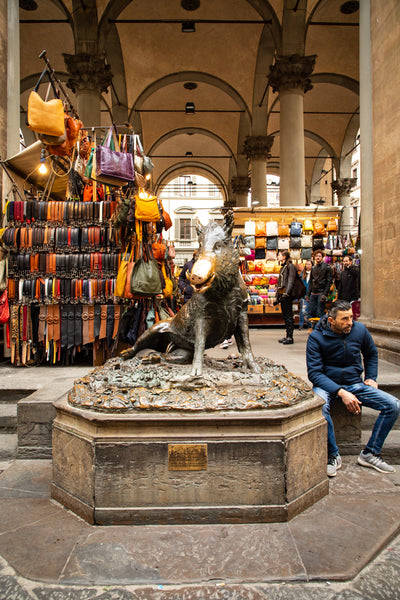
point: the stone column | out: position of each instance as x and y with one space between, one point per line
90 77
240 188
257 149
366 165
13 79
343 186
290 77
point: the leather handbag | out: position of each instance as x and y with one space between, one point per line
146 208
319 228
112 166
306 240
259 242
283 230
249 241
283 243
261 229
45 117
295 228
272 228
295 242
308 225
4 308
145 279
250 228
120 283
272 243
332 226
159 249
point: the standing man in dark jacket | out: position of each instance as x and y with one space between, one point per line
319 286
287 278
338 351
348 281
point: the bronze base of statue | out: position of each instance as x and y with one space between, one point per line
213 455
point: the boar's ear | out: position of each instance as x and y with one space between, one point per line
229 222
199 228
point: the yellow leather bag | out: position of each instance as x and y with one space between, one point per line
146 208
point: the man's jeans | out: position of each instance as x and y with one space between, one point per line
387 404
316 307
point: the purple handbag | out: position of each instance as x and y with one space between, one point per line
113 167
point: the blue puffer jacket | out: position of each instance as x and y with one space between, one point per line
334 360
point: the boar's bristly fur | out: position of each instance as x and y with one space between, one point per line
216 311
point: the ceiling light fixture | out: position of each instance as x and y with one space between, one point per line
190 108
42 167
189 153
28 5
188 27
349 7
190 85
190 4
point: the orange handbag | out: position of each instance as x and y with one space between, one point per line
332 225
319 228
283 230
260 242
261 228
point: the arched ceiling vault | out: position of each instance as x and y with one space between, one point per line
226 63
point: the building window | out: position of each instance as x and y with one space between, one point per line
185 229
354 173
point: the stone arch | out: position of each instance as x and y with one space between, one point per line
191 167
189 130
348 145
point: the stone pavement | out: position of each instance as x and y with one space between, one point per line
345 547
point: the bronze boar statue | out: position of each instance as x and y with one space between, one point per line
216 311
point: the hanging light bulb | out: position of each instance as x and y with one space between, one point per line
43 168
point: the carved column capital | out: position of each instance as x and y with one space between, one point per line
240 185
258 147
291 73
88 72
343 185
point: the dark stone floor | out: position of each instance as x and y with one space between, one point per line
344 547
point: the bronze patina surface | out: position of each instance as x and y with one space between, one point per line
151 384
216 311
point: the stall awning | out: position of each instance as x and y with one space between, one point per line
26 164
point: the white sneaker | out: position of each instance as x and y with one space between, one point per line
224 345
334 463
230 341
375 462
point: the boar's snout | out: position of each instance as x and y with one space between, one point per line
203 273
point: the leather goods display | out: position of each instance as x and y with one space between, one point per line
295 242
272 228
4 307
272 243
319 228
146 208
283 243
45 116
112 166
260 242
145 279
122 274
295 228
250 228
261 228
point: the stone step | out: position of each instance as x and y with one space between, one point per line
8 445
8 418
10 396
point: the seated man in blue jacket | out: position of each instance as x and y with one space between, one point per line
336 350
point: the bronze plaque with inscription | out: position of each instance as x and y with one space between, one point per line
187 457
